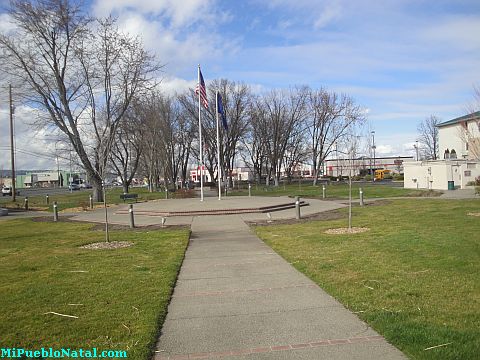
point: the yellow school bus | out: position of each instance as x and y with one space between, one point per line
380 174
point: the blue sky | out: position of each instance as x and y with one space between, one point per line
401 60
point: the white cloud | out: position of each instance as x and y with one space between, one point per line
179 49
32 152
457 32
180 12
172 85
6 25
385 150
331 12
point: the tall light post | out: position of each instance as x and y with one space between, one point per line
70 179
338 164
416 148
373 148
12 143
58 165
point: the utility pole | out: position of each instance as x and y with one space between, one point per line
12 149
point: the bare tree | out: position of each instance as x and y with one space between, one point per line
236 99
280 114
175 139
428 137
253 151
470 131
126 149
150 146
79 73
184 137
330 117
295 155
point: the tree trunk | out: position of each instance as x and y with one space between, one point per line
96 182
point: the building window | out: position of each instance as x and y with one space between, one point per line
467 173
471 166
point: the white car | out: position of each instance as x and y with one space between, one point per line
6 190
73 186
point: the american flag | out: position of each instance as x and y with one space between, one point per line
202 90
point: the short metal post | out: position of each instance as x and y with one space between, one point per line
26 203
47 199
55 211
132 220
166 193
249 190
361 197
91 201
323 191
163 221
297 207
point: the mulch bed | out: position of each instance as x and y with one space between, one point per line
111 245
343 231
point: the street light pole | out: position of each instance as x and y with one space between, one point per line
12 148
416 148
373 148
338 164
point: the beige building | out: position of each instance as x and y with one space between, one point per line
459 164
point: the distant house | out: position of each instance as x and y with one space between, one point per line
459 158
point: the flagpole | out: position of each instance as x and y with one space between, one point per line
200 137
219 172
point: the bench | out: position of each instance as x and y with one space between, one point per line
128 196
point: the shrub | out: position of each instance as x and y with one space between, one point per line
398 177
368 177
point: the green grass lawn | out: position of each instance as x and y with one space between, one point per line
414 277
119 296
80 198
333 191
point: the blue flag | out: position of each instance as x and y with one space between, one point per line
222 111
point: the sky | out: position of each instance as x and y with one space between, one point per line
401 60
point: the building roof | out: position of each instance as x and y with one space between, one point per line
472 116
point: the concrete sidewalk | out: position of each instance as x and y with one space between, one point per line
236 298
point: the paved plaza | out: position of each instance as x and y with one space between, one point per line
236 298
